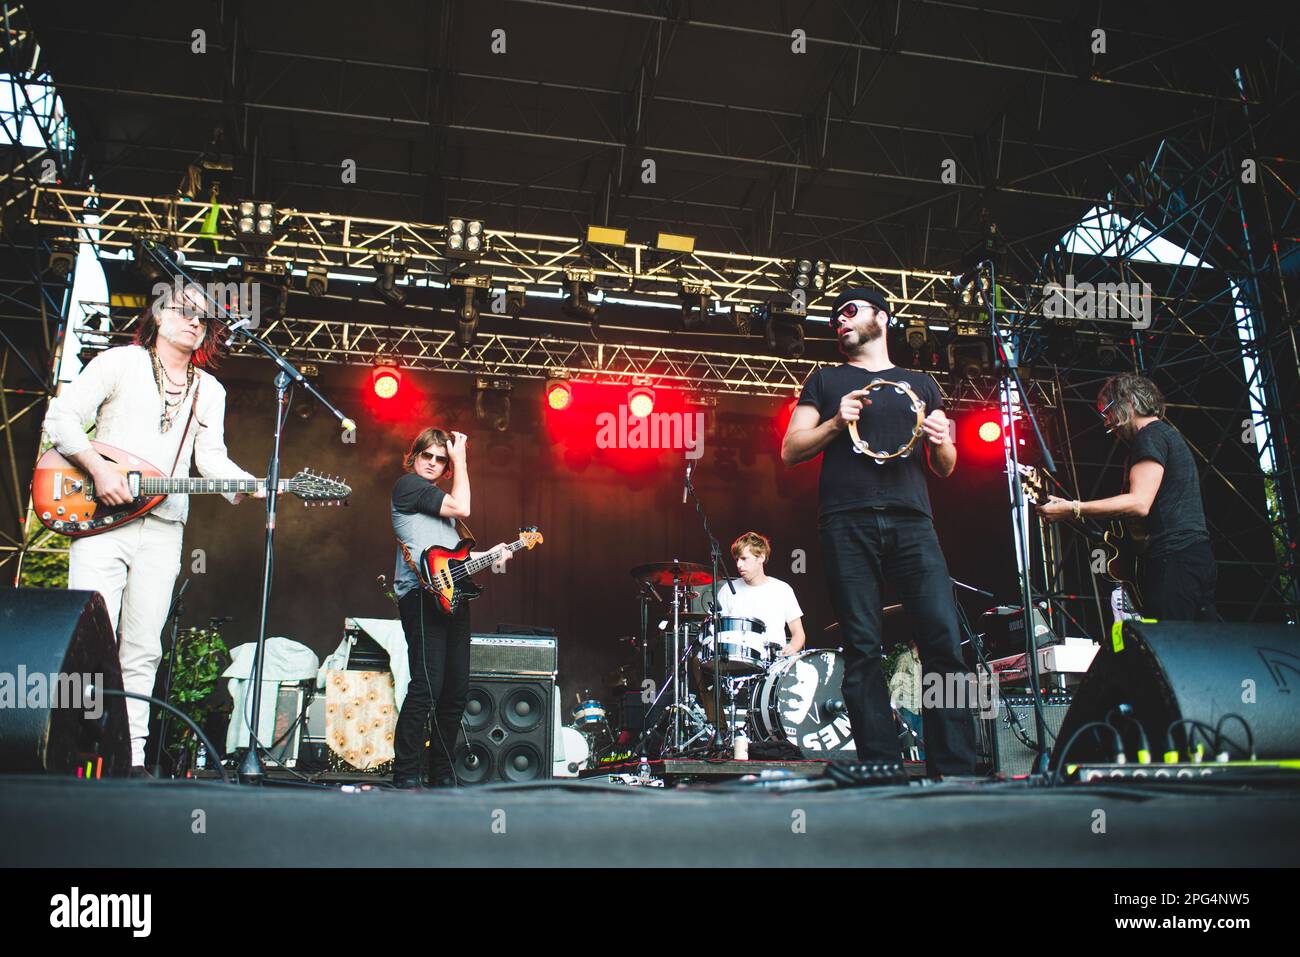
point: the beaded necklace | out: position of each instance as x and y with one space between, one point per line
171 399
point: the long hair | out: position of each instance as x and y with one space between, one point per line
428 437
211 348
1133 395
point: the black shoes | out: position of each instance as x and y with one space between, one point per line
140 771
407 782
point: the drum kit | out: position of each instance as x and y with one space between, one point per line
714 659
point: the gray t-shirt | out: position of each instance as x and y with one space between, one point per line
415 506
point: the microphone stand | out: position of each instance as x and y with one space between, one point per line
175 612
1007 364
251 769
715 615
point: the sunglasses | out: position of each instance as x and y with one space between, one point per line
849 310
432 457
1106 408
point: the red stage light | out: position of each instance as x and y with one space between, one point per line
385 380
640 401
990 431
559 395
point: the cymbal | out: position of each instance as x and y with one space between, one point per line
669 574
888 611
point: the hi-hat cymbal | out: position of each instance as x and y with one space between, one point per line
888 612
670 574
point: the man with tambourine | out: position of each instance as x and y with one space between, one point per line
877 426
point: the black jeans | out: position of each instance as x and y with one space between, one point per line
862 549
438 651
1180 586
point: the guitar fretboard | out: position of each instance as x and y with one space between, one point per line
194 486
478 564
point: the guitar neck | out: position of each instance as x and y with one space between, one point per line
478 564
200 486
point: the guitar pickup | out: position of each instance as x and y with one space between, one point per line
133 482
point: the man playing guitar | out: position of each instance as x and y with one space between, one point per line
876 525
437 645
156 400
1177 573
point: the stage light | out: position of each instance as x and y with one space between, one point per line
391 266
559 394
696 298
918 333
810 276
968 354
63 256
577 304
784 327
606 236
990 431
385 380
640 401
673 243
466 240
317 281
516 298
492 402
472 289
145 264
255 221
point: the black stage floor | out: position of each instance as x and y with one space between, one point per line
59 822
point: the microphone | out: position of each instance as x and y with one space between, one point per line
686 486
836 707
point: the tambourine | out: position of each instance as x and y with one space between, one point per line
860 445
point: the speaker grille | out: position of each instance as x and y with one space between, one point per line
508 730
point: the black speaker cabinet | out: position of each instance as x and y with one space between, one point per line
509 730
54 645
1197 671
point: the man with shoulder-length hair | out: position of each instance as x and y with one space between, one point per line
1177 575
156 400
437 645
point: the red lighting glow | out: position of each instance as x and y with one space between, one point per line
385 380
640 401
559 395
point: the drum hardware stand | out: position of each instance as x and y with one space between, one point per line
251 769
1006 361
715 614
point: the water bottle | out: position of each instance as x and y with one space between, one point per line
201 759
643 770
741 747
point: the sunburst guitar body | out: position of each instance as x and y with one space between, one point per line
448 572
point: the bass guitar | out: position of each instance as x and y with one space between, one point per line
63 496
448 572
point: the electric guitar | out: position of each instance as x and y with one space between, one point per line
448 571
63 496
1122 541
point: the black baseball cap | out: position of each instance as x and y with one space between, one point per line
873 296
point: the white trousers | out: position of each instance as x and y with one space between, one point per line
134 567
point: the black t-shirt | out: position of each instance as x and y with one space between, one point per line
1177 516
850 480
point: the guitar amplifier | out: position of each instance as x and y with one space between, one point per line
1010 755
512 655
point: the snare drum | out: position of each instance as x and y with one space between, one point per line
741 648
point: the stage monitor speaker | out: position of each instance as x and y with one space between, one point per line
509 730
1201 671
54 645
1009 754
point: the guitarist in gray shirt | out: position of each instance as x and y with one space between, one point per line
437 645
1177 575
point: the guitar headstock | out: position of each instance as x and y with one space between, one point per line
1032 485
530 536
316 489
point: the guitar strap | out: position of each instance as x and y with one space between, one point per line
461 529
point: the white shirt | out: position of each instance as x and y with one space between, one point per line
772 602
117 393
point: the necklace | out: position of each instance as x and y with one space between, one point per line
171 406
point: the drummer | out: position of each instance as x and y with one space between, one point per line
759 595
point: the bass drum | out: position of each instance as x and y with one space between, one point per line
799 701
